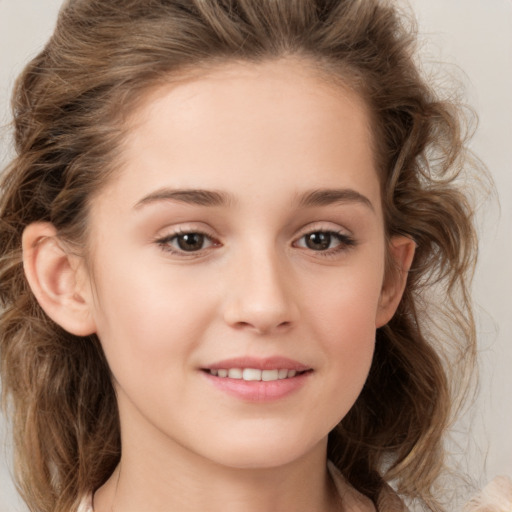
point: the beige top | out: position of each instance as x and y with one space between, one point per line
352 501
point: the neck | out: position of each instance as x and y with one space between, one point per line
145 480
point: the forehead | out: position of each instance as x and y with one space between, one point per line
249 127
239 93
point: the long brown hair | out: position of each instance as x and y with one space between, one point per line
69 106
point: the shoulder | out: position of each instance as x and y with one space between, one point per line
354 501
495 496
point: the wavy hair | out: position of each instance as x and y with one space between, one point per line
69 108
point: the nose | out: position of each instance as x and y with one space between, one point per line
260 295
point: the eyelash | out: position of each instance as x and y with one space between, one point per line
345 242
165 242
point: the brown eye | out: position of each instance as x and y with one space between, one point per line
328 242
318 241
190 242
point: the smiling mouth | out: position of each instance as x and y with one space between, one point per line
254 374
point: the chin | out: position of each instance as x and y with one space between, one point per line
265 453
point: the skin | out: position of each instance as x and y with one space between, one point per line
264 137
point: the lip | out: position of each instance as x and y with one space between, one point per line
259 391
268 363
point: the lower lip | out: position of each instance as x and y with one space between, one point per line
258 391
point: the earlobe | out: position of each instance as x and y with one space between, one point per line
52 273
401 251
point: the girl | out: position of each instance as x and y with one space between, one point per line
221 238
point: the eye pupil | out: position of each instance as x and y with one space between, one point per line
191 242
318 241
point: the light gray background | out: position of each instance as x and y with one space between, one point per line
475 35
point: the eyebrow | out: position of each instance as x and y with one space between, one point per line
188 196
328 196
199 197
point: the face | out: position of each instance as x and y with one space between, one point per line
243 236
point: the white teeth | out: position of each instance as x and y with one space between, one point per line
282 374
267 375
253 374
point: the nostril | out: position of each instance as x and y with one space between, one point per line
262 327
241 325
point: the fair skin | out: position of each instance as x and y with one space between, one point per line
276 265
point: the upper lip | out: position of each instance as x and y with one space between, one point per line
267 363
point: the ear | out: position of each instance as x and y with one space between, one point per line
401 251
57 279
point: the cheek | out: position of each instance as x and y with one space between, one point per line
343 312
146 317
346 302
349 348
350 337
